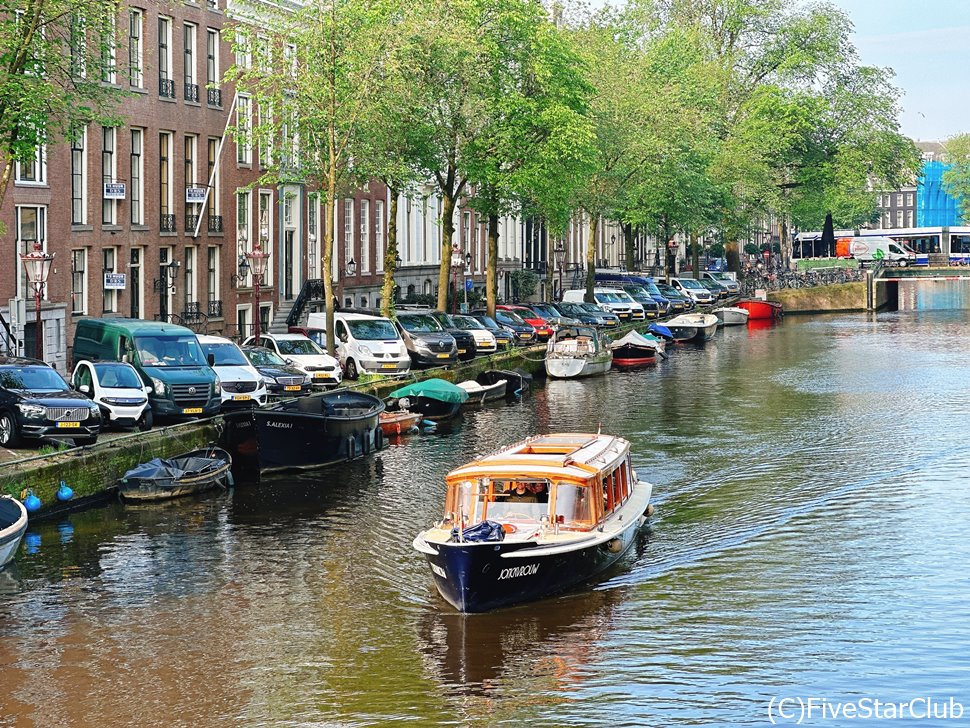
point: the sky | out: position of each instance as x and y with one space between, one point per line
925 43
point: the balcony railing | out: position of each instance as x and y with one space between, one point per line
191 92
215 223
214 96
166 223
191 221
166 87
215 309
537 266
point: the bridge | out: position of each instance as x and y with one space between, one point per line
883 283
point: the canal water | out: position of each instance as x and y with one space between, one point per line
810 540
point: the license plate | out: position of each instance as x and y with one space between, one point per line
240 397
192 411
388 366
461 351
525 336
320 375
68 424
443 356
291 388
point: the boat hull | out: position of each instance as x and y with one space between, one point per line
516 382
13 524
480 577
760 310
731 316
398 423
433 409
573 368
633 357
479 393
308 432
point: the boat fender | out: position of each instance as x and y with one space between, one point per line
429 423
31 502
379 437
614 546
351 448
650 509
65 492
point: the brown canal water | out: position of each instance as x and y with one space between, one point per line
810 540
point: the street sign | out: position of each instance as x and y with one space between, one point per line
114 190
114 281
195 195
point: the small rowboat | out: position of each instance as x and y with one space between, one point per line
635 350
13 523
731 315
192 472
479 393
398 423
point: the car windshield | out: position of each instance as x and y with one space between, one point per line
467 323
372 330
722 277
509 317
263 357
421 323
691 283
33 378
591 307
638 294
652 289
226 355
169 351
608 297
487 322
117 376
546 311
299 347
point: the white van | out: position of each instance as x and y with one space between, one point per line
369 344
242 385
866 250
612 300
693 290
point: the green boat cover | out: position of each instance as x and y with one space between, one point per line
435 389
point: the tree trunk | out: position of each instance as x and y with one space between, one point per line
447 231
695 256
550 262
591 259
326 273
390 257
630 251
786 244
491 266
732 251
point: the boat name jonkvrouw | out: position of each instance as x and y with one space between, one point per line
517 571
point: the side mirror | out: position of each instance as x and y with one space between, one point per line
84 389
148 390
211 358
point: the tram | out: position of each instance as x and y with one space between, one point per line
936 242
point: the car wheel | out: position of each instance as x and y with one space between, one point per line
9 437
146 421
350 369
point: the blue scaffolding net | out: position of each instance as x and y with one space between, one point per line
934 207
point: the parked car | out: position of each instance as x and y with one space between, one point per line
553 315
525 334
485 341
612 300
364 343
577 312
35 402
678 301
651 308
717 290
724 279
503 337
464 340
280 379
693 290
544 329
242 385
117 390
426 340
299 351
167 357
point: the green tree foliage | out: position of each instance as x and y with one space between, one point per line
956 177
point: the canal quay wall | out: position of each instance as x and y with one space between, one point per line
840 297
92 472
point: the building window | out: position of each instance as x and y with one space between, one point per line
212 273
899 199
34 170
137 178
191 208
348 230
379 233
78 43
31 228
244 150
189 277
135 23
166 86
364 237
108 170
79 282
188 66
886 223
909 219
899 218
909 199
212 79
243 314
79 182
134 284
214 179
108 266
288 210
107 42
244 56
167 215
243 214
266 230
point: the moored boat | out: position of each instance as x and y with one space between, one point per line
759 310
636 350
308 432
164 478
13 524
534 519
731 315
479 393
434 399
398 423
693 326
576 351
517 381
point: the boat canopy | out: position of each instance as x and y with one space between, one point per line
438 389
634 339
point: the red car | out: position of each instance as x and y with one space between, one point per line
542 327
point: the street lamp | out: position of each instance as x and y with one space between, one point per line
242 268
37 265
258 259
352 267
559 252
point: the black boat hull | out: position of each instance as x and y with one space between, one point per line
480 577
517 383
633 357
433 409
309 432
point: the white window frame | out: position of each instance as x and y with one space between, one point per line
212 272
244 224
348 231
136 47
213 74
190 38
109 52
244 54
899 218
136 202
212 164
364 214
109 172
165 55
36 169
167 206
79 178
268 248
79 295
109 257
244 142
379 241
190 275
25 245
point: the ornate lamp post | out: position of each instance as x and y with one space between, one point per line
559 252
37 265
258 258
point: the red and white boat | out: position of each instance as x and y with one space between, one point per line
759 310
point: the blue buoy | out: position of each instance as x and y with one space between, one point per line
32 502
65 492
32 542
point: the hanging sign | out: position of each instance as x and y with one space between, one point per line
194 195
114 190
114 281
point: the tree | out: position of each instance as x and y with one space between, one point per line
956 176
316 76
54 55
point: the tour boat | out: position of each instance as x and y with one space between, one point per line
576 351
759 310
731 315
308 432
193 472
636 350
13 523
534 519
703 326
434 399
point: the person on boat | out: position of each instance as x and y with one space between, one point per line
520 493
540 492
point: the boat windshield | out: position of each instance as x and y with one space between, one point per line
574 506
517 500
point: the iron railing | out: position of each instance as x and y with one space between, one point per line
214 96
166 87
215 309
166 223
190 222
312 290
215 223
191 92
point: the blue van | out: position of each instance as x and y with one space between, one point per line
645 283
